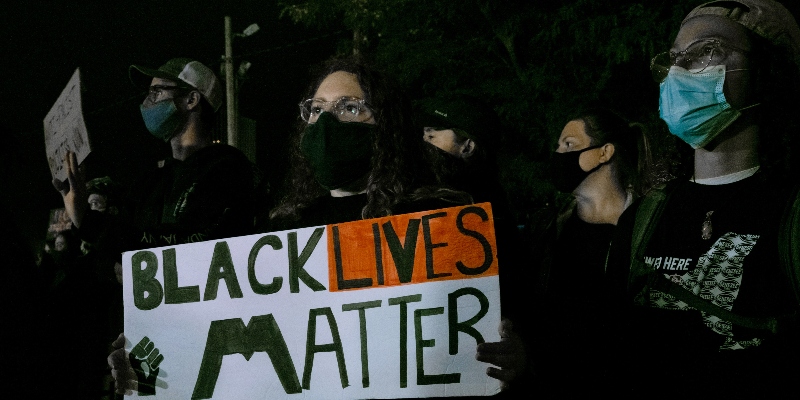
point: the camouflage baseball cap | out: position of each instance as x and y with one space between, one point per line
767 18
189 72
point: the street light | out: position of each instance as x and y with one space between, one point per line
253 28
230 83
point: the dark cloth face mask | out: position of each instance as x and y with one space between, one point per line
162 119
448 169
339 152
566 172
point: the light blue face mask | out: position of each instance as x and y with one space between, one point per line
694 106
161 119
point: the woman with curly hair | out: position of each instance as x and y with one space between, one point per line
357 156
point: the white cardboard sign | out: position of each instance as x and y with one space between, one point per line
385 308
65 129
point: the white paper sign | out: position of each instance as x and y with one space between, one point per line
385 308
65 129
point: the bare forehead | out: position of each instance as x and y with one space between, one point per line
574 129
711 26
162 82
339 84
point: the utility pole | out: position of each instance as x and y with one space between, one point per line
230 85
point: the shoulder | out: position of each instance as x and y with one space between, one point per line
219 161
219 153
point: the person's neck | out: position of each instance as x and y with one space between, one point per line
736 151
600 200
188 141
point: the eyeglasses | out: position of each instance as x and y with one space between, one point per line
696 58
346 109
155 91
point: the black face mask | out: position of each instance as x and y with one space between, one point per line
566 172
448 170
339 152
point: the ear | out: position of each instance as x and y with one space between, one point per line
607 151
193 100
468 148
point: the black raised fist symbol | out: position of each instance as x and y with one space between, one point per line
145 360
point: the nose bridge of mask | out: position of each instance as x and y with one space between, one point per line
692 88
694 105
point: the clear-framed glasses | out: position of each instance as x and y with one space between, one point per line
696 58
155 91
346 109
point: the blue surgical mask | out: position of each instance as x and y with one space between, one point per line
694 106
161 119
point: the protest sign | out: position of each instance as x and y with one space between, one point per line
65 129
382 308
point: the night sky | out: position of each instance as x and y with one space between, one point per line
46 40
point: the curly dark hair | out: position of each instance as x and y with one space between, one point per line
632 161
396 164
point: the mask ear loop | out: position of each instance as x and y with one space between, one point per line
599 164
743 69
750 106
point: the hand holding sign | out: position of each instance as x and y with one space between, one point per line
121 369
398 301
508 354
137 371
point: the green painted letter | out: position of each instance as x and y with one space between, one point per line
144 281
231 336
403 302
277 281
423 379
452 316
172 293
222 268
312 348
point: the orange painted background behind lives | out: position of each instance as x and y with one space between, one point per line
358 247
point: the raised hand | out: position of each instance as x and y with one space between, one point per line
73 190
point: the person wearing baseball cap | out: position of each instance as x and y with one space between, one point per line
204 191
192 193
461 134
183 98
704 266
